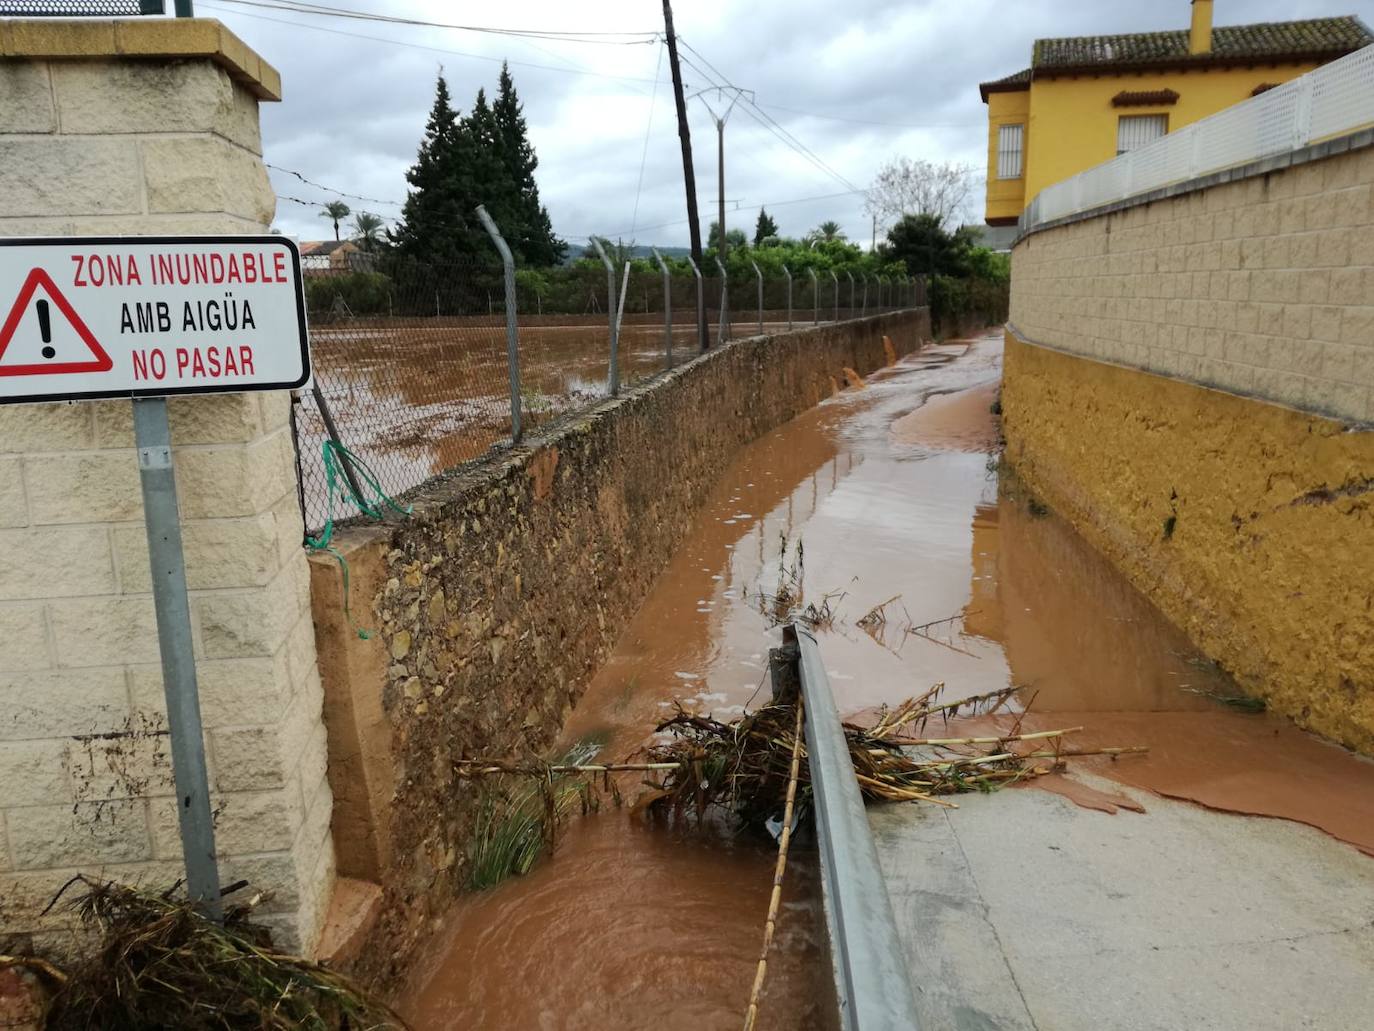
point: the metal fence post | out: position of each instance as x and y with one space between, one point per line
836 298
624 293
327 417
667 307
864 311
702 335
512 328
724 303
851 293
815 298
611 312
788 273
759 276
881 283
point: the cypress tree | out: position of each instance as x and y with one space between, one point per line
435 224
531 233
764 227
483 158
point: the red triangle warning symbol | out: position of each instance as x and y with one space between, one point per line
42 345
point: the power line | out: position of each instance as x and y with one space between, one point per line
414 46
752 106
750 103
648 128
865 121
323 11
766 204
764 119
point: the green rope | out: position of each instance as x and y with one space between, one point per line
335 484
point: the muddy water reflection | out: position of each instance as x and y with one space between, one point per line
633 926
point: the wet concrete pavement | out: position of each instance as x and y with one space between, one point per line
1022 911
889 493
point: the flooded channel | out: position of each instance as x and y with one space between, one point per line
886 495
414 397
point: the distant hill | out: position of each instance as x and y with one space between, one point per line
638 251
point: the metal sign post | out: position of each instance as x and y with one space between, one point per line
153 439
145 318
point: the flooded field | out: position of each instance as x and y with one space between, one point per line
413 397
888 493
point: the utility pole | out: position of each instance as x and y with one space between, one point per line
689 178
720 180
720 120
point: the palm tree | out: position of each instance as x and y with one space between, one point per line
829 232
336 211
367 229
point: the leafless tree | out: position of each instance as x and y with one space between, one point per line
905 186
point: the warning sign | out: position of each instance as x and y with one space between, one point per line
150 316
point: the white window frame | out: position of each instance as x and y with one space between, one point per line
1011 159
1132 131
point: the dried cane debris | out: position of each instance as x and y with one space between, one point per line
742 767
160 964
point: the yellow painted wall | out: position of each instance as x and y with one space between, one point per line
1007 197
1073 124
1250 525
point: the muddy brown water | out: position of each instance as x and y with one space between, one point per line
890 489
415 397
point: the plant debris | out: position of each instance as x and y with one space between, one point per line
743 766
1241 702
517 824
161 964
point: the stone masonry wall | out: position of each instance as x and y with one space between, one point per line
147 127
1263 286
493 605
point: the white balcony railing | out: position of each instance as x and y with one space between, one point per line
1332 100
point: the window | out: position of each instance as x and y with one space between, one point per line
1134 131
1009 151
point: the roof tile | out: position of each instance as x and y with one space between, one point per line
1310 37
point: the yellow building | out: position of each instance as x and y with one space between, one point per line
1086 99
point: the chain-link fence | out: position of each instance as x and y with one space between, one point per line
79 8
412 373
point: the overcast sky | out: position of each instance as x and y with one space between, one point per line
855 83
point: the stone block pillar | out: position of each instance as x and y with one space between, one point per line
144 127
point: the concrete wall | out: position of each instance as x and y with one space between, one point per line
1249 524
147 127
489 609
1263 286
1189 381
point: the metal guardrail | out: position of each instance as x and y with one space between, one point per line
871 978
1332 100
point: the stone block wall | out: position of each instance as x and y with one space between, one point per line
148 127
1262 286
492 606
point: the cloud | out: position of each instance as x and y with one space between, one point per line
357 95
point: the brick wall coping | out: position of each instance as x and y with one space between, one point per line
1264 166
168 38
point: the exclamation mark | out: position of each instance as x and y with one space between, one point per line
45 327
